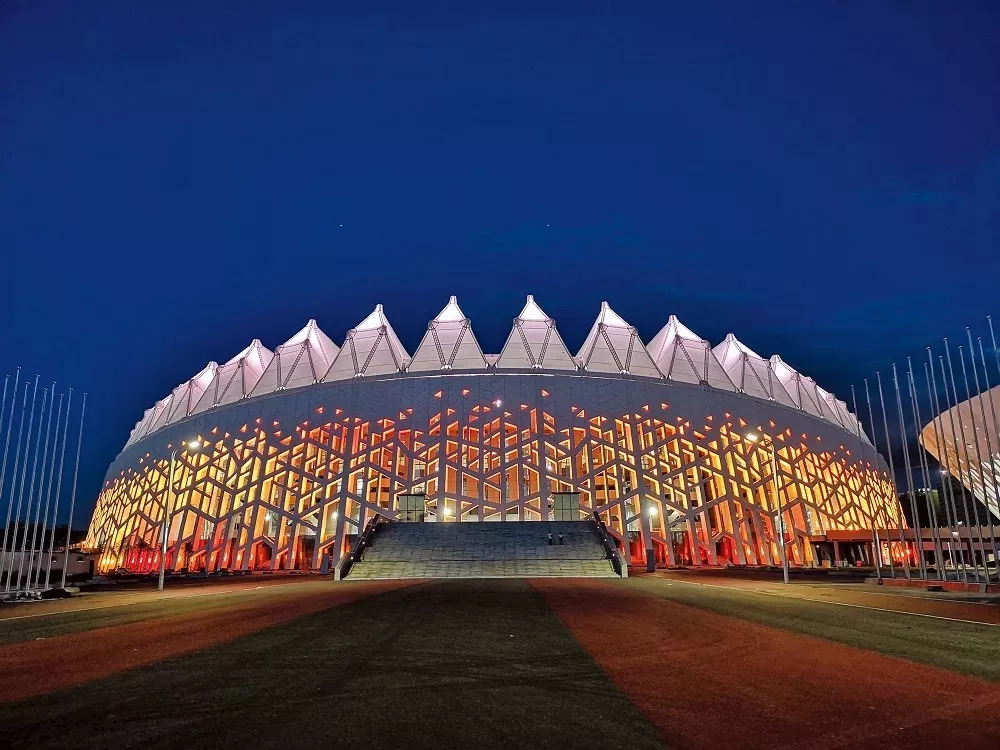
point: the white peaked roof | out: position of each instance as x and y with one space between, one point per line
449 343
141 427
829 407
846 418
535 343
187 395
302 360
236 378
371 348
614 346
682 355
160 412
799 387
750 372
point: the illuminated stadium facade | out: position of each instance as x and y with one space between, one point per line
303 446
964 440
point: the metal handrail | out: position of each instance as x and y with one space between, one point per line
346 562
611 549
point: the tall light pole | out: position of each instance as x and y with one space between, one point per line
168 509
757 438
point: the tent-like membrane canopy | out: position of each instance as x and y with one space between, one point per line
236 378
301 360
371 348
682 355
449 343
534 343
613 346
750 372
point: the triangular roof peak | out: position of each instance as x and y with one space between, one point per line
449 343
451 312
614 346
532 311
375 319
303 359
308 332
371 348
255 344
731 337
782 368
682 330
535 343
237 378
682 355
610 318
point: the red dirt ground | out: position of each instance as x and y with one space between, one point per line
43 666
898 602
710 681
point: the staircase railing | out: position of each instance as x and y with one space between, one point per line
354 554
618 561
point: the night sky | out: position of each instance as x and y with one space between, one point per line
822 179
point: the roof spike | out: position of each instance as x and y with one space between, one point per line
448 344
684 356
534 343
614 346
371 348
302 360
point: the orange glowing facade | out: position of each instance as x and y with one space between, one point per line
652 439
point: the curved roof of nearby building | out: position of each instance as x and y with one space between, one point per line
612 347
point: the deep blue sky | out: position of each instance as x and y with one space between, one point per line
822 179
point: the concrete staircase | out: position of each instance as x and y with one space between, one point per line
502 549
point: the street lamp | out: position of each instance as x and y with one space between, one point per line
757 438
193 446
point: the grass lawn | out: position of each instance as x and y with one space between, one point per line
30 628
972 649
445 664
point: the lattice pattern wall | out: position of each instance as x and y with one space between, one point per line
266 497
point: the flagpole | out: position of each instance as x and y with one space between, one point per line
877 545
48 495
946 487
41 490
979 453
31 491
72 502
55 508
926 475
952 401
20 489
892 475
13 483
908 469
871 421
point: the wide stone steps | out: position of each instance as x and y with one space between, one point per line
511 549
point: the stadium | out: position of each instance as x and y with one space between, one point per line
680 452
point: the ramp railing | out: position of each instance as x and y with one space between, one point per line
615 555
